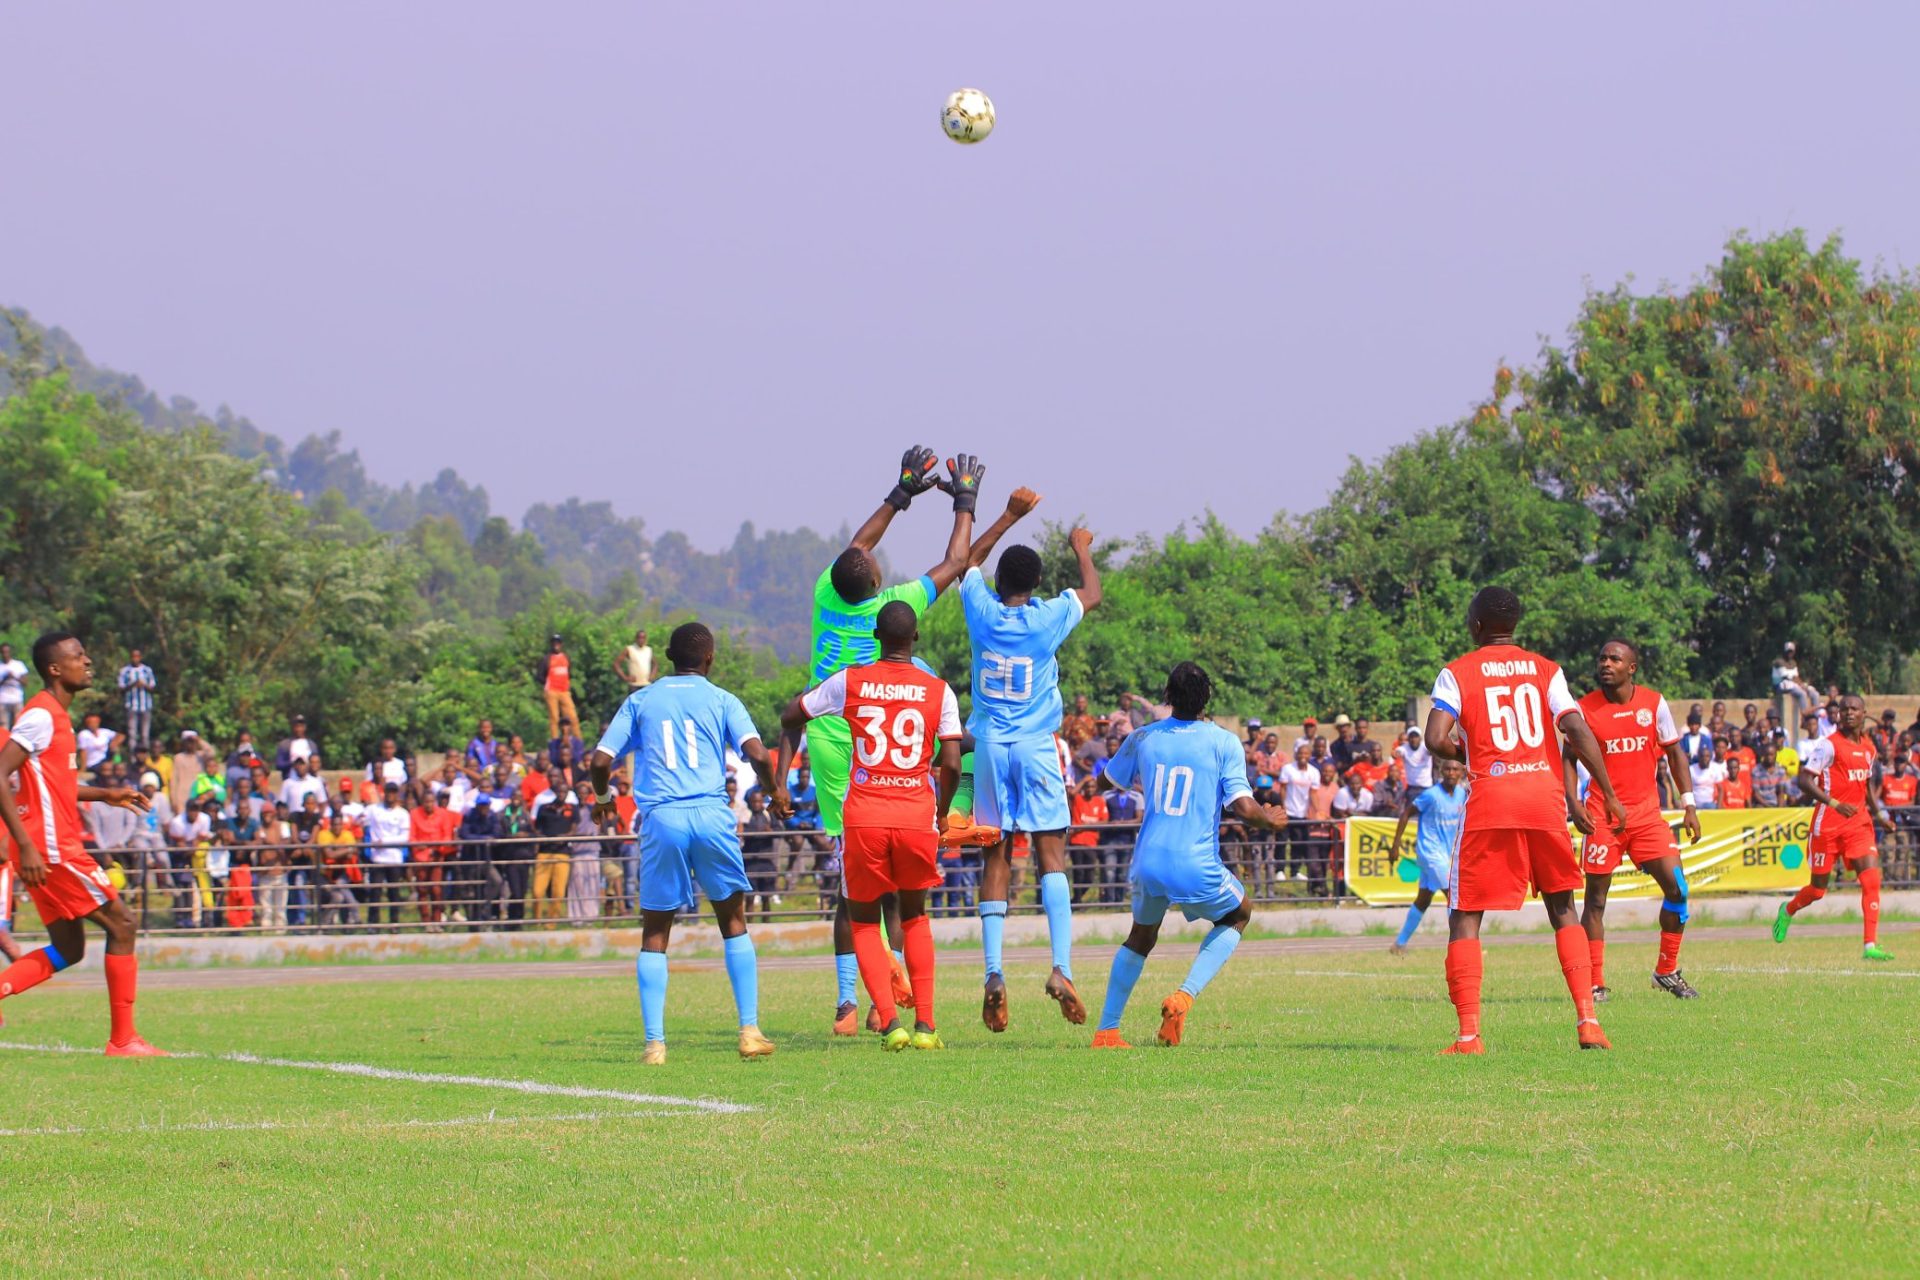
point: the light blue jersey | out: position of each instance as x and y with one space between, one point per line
1190 770
1438 834
679 729
1016 680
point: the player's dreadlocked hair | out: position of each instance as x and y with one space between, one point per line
690 646
1019 571
1498 608
1189 689
851 576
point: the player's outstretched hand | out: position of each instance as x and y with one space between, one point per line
33 866
919 472
1582 820
780 804
1021 502
1276 814
1616 814
1081 540
129 798
964 474
1690 823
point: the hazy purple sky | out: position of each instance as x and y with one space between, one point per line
716 262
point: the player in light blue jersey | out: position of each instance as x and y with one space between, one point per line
678 731
1018 782
1441 810
1190 771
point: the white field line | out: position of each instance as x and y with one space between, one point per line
248 1126
1782 971
710 1105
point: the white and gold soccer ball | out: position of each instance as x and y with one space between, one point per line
968 115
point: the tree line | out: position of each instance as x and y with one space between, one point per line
1708 470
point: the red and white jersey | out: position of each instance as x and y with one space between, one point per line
1507 702
1634 735
47 787
1845 769
899 715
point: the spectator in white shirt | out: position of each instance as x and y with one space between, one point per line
1708 774
387 767
13 686
1416 763
300 784
95 742
1308 728
1354 799
636 662
389 828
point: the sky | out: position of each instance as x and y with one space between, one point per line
716 262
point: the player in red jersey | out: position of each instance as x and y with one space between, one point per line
1504 700
1837 774
40 798
1636 731
897 713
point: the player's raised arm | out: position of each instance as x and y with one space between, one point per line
965 472
1020 504
916 477
1081 540
828 698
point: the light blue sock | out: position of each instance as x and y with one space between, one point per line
1411 923
652 968
993 932
1056 898
743 971
847 969
901 956
1213 953
1127 964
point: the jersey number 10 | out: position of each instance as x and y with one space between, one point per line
1172 789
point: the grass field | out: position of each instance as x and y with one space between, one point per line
1306 1127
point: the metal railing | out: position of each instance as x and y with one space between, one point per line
525 881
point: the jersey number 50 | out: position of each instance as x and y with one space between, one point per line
1513 715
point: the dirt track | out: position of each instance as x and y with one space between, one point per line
1094 957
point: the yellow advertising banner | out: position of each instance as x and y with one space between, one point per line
1740 851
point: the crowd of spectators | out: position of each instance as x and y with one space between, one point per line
493 833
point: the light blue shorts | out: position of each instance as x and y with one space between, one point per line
1201 891
681 843
1018 786
1436 868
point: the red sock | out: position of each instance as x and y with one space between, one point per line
918 944
1571 943
30 970
876 969
1669 952
1805 898
123 975
1870 904
1463 983
1597 959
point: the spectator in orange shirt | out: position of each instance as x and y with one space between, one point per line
1736 791
1085 806
1078 726
433 829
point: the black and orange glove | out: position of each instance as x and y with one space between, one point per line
917 475
964 474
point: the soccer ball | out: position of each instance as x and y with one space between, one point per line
968 115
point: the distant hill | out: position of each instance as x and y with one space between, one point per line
761 584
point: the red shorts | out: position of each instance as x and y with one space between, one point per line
76 887
1852 842
876 861
1647 838
1496 865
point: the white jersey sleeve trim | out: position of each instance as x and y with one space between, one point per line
1664 726
1446 692
949 714
1560 699
34 730
828 698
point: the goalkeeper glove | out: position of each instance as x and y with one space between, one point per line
965 473
916 476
